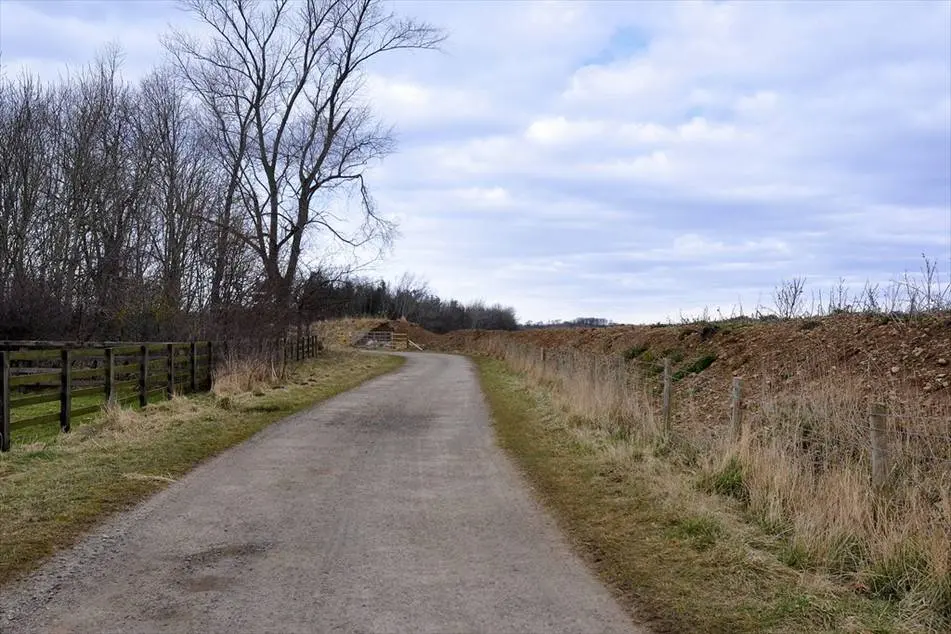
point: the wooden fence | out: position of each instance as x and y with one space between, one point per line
38 374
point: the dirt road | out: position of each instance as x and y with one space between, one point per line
387 509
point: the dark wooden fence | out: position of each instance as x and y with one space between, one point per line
33 374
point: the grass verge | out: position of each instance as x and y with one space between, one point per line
680 559
53 490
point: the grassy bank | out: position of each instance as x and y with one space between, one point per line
680 558
54 489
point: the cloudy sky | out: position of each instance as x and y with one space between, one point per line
632 160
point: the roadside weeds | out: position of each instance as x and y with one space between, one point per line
679 558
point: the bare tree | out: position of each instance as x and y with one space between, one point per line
788 297
280 83
178 191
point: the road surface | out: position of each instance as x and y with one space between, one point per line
388 509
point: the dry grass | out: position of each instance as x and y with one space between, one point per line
52 491
678 558
247 374
805 469
333 332
799 473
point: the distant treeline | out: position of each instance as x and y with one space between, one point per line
579 322
191 203
326 296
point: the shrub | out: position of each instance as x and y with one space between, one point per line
696 367
634 352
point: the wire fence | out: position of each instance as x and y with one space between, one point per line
823 422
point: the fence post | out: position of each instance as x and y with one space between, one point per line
110 376
877 418
193 366
4 400
736 411
666 398
283 357
171 370
65 389
211 363
143 376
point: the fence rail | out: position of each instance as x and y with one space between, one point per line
381 339
38 373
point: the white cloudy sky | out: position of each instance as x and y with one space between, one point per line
630 160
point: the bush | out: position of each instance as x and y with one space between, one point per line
696 367
634 352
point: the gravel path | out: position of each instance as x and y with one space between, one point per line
387 509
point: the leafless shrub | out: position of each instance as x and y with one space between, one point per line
788 297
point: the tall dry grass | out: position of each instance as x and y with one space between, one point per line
237 374
801 469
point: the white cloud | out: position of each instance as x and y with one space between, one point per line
558 130
655 166
630 159
412 105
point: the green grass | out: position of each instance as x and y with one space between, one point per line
700 533
634 352
676 355
728 481
680 559
54 489
698 366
